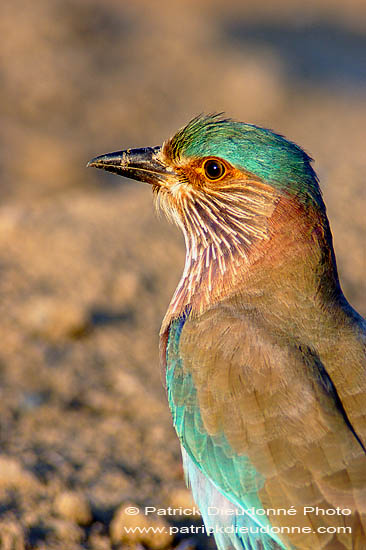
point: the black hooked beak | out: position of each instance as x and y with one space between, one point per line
138 164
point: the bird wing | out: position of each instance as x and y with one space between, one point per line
263 421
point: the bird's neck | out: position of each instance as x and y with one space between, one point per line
289 266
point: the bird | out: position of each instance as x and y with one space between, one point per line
265 359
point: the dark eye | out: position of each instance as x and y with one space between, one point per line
214 169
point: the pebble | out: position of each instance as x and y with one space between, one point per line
55 319
122 520
12 474
12 536
74 507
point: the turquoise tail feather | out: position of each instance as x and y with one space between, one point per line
232 527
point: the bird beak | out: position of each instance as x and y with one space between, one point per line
138 164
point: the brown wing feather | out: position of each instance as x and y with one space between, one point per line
273 408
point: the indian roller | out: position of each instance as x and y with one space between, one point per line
264 357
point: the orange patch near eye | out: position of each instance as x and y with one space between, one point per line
195 174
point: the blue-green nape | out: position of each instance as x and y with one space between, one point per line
219 477
270 156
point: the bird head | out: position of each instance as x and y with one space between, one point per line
218 175
220 181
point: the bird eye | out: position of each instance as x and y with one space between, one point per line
214 169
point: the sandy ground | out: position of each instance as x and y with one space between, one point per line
87 270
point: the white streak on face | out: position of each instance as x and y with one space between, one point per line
175 189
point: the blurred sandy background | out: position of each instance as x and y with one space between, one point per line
87 270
